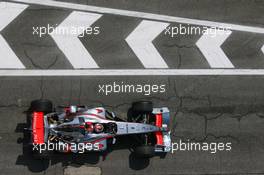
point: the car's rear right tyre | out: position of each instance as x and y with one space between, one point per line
145 151
41 106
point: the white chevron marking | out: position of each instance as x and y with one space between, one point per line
8 12
140 41
70 44
210 45
138 14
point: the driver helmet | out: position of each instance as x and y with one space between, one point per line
98 127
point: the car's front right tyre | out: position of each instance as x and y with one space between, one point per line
41 105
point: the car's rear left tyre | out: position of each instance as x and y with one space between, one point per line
145 151
144 107
42 106
45 154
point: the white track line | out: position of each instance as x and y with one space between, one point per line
140 41
132 72
144 15
262 48
8 12
70 44
210 45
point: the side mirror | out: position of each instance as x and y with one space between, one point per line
73 109
113 115
114 141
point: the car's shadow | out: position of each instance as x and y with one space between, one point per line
37 165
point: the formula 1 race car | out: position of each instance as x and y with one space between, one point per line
79 129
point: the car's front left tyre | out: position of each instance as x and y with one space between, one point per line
142 107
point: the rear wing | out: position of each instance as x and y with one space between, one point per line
38 128
163 139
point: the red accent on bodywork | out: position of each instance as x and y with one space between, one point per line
98 116
101 139
159 136
99 110
67 109
101 146
38 127
159 120
68 149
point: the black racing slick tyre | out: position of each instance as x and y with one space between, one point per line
44 155
42 106
145 151
142 107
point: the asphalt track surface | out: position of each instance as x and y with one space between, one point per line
203 108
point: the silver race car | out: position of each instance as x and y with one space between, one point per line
79 129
